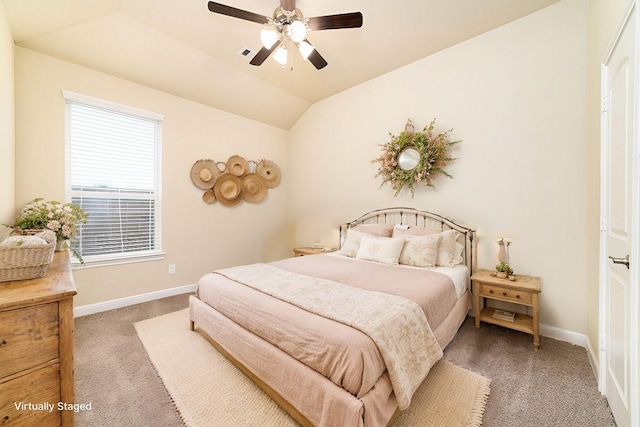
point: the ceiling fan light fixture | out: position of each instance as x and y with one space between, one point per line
268 38
305 49
280 55
297 31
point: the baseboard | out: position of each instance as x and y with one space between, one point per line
85 310
563 335
594 362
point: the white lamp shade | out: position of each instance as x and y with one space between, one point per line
280 55
297 31
305 49
268 38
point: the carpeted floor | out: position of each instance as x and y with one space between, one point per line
551 387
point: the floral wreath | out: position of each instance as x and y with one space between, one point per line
434 156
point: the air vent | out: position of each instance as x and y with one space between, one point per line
247 53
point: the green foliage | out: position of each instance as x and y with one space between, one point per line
503 267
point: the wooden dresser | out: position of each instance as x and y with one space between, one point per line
36 348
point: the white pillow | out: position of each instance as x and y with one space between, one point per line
384 250
420 251
23 241
351 243
457 254
446 250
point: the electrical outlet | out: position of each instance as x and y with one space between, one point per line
172 269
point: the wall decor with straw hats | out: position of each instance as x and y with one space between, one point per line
235 180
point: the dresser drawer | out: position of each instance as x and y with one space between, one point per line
29 337
29 392
498 292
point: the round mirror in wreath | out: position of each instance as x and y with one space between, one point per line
408 159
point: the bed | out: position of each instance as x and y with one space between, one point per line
332 337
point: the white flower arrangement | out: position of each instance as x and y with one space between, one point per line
61 218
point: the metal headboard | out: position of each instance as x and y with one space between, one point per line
415 217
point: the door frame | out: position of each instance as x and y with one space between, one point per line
634 256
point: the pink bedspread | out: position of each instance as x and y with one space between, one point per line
345 355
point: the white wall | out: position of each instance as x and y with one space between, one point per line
197 237
7 172
517 97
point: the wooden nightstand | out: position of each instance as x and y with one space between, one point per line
523 291
308 250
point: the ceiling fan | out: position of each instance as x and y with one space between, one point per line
289 26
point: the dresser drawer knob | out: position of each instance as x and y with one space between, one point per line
3 342
504 294
518 296
5 419
491 291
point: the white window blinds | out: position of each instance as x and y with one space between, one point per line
113 173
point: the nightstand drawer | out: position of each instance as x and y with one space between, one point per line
497 292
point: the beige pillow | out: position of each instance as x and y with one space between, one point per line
351 243
380 230
420 251
380 249
446 250
413 230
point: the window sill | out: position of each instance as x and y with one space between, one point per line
104 261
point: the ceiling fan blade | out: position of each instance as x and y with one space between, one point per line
263 54
237 13
316 59
289 5
334 22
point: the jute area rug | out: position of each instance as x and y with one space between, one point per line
210 391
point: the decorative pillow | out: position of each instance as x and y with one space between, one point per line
23 241
457 254
380 249
420 251
413 230
351 243
380 230
447 247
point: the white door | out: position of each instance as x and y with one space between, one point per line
618 135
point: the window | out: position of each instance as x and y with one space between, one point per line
113 159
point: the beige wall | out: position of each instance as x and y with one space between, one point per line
196 237
517 97
605 16
7 173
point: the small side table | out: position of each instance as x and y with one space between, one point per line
523 291
308 250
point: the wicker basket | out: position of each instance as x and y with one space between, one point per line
25 262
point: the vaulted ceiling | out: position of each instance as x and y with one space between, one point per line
179 47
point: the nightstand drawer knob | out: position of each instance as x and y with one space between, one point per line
3 342
504 294
518 296
491 291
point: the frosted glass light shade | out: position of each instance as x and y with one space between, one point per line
297 31
268 38
280 55
305 49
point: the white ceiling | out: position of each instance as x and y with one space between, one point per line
179 47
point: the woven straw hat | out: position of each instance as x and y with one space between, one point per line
209 196
237 165
254 188
270 171
228 189
204 174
